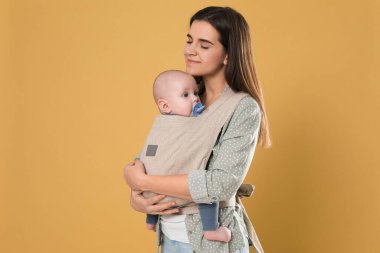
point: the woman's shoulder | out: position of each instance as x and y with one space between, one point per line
245 118
247 107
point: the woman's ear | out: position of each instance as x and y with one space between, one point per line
225 61
164 106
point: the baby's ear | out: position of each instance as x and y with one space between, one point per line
164 107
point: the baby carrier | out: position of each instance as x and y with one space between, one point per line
177 145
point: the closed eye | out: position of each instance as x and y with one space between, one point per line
189 39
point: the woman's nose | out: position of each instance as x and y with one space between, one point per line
190 49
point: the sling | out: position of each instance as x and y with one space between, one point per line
177 145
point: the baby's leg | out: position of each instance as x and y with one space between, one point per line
151 221
209 216
151 227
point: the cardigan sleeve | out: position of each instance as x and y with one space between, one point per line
231 157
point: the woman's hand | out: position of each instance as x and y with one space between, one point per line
150 206
134 175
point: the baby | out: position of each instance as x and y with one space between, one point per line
176 93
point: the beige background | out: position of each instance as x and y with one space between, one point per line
76 105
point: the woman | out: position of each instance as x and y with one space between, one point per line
218 53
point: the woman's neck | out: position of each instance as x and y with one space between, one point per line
214 88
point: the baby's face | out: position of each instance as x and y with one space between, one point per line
182 97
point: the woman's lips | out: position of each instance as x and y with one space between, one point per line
191 61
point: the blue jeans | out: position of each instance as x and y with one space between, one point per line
171 246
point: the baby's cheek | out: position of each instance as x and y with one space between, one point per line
190 111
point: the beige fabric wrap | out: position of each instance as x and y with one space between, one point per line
177 144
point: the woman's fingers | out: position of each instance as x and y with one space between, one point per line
170 211
162 208
138 163
149 205
155 199
137 201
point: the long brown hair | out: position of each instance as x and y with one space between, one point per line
240 72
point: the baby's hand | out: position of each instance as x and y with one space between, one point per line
151 227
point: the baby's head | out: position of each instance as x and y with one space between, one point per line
175 92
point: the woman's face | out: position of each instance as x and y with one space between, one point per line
204 54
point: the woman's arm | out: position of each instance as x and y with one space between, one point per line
173 185
232 157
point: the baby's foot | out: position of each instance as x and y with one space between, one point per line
151 227
222 234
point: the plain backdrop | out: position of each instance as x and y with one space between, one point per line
76 105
